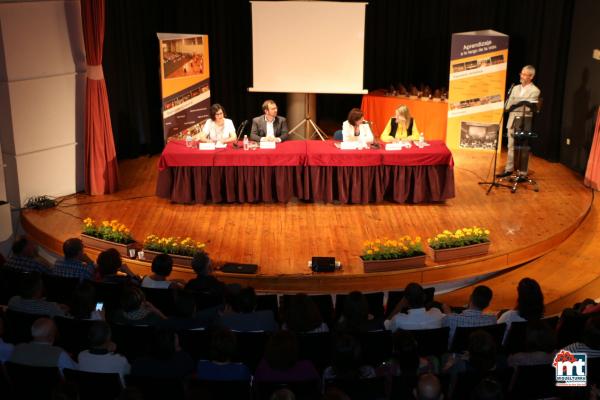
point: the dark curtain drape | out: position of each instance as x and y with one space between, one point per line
406 41
101 168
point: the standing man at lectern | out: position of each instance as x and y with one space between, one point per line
269 126
526 91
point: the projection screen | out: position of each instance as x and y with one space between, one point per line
308 46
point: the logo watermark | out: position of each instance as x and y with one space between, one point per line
571 368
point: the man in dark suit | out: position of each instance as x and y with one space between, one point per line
269 126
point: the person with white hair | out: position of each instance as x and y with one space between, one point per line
41 352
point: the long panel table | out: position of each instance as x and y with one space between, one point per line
307 170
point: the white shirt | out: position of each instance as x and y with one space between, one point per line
270 130
103 363
150 283
416 319
217 133
365 134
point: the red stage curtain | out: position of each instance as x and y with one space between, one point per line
101 169
592 172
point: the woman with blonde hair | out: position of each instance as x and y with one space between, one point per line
401 126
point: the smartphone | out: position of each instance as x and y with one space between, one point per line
99 306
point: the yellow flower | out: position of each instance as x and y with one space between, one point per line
487 232
369 251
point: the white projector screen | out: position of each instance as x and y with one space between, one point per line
308 46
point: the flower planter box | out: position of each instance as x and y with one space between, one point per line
442 255
180 261
101 244
393 265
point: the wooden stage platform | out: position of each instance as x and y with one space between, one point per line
281 238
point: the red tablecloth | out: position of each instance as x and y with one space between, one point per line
308 170
431 116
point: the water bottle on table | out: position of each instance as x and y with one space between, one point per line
246 142
188 139
421 139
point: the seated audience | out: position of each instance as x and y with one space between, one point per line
428 388
355 315
220 367
405 359
540 346
302 315
31 300
165 360
417 317
217 128
25 258
481 357
346 361
101 356
112 270
83 303
76 263
269 126
401 126
162 266
355 128
530 304
185 316
241 315
280 362
204 282
41 352
591 339
135 310
473 316
6 349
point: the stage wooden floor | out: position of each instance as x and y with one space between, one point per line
281 238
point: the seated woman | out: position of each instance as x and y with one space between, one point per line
112 270
162 266
356 128
217 128
401 126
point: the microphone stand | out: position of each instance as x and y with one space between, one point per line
494 182
235 144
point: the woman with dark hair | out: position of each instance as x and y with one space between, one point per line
166 359
217 128
346 361
302 316
280 362
162 266
204 282
135 310
540 341
356 129
530 304
220 367
110 264
355 315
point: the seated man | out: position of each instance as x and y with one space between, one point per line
24 257
269 126
473 315
417 317
76 263
41 352
101 356
31 300
241 315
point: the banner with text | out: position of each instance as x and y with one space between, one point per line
476 91
185 78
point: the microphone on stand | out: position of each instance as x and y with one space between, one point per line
511 88
235 144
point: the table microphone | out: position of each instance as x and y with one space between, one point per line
235 144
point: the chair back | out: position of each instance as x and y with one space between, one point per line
375 301
163 299
10 283
73 334
534 382
59 289
196 343
460 342
94 385
376 346
219 390
18 326
516 338
251 347
431 342
29 382
316 347
132 341
303 390
360 389
153 388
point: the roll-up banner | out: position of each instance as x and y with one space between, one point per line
185 79
477 88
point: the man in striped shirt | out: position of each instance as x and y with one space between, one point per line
76 263
24 257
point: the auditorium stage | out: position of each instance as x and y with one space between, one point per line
281 238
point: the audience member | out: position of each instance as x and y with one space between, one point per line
185 316
283 394
405 359
83 303
302 315
101 356
112 270
280 362
166 359
76 264
428 388
346 361
241 315
135 310
6 349
24 257
481 356
473 316
355 315
488 389
220 367
530 304
540 346
591 339
417 316
41 352
204 282
162 266
31 300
